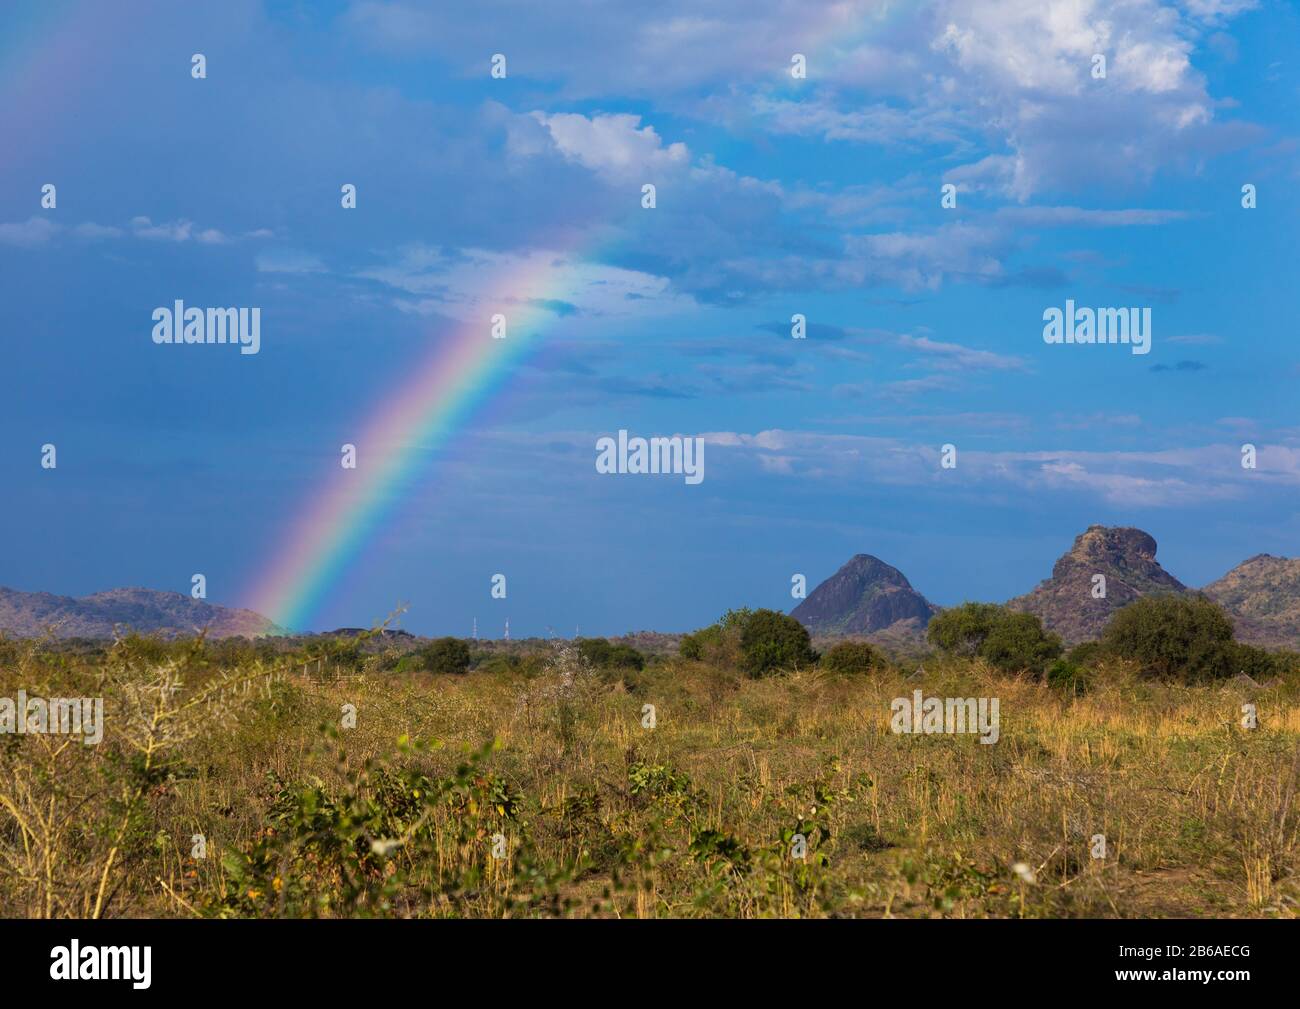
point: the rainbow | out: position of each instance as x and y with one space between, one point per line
396 442
462 373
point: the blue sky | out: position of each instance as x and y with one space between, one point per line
775 196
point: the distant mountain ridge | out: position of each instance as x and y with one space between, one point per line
1124 556
1262 595
864 597
32 614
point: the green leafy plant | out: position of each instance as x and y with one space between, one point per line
446 655
852 657
1010 641
1177 637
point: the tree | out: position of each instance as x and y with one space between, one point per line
963 629
1011 641
1180 638
603 655
1018 642
446 655
770 641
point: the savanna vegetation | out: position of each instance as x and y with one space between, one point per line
747 776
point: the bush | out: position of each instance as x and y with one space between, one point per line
495 662
1018 642
1085 654
339 651
603 655
717 644
446 655
409 663
1176 638
1010 641
852 657
1255 662
1067 677
963 629
137 650
770 641
758 641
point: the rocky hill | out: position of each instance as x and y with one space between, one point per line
865 597
1262 595
32 614
1066 603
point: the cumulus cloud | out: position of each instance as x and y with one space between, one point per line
1062 126
616 145
959 74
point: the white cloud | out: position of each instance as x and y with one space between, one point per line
1023 68
614 145
35 230
1081 217
918 261
956 357
879 124
171 231
475 283
92 231
288 261
183 230
1171 478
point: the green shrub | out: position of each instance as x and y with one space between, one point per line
446 655
719 643
1085 654
1286 662
852 657
410 663
757 641
138 650
963 629
495 662
1018 642
770 641
603 655
1067 677
1255 662
339 651
1176 638
1011 641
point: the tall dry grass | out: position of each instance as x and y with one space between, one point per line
695 817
